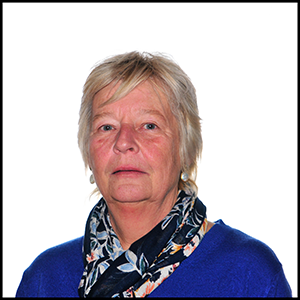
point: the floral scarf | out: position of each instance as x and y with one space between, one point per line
112 272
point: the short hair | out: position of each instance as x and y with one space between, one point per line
131 69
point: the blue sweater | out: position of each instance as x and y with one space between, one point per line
227 263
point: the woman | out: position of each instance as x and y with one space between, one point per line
140 135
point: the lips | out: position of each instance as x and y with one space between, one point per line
127 170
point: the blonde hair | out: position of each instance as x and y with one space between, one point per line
131 69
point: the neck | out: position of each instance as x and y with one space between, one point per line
133 220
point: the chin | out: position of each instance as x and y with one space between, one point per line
129 193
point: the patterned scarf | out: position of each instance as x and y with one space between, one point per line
112 272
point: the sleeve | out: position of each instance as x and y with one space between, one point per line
54 273
29 285
280 286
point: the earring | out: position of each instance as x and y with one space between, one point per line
92 179
184 176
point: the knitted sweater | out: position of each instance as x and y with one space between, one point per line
227 263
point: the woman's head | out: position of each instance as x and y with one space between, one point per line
123 73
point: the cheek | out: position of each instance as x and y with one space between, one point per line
99 153
163 154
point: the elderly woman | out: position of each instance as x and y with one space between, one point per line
140 135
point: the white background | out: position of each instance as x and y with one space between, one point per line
242 59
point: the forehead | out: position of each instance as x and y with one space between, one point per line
146 94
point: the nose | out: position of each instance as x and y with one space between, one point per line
126 140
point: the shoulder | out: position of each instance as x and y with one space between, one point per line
61 254
242 263
234 242
228 263
54 270
233 245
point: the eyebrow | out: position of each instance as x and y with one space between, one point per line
101 115
142 112
152 112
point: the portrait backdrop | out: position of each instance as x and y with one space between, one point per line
242 59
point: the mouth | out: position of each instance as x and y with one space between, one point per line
127 171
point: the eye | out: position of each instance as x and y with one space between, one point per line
106 127
150 126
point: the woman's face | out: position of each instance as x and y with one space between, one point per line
134 146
